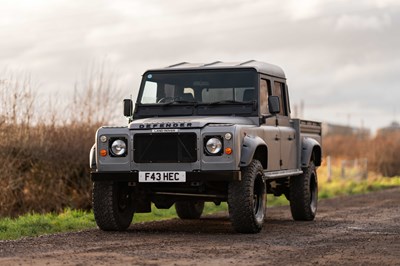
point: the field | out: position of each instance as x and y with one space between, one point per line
44 157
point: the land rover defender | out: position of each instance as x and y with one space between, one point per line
217 132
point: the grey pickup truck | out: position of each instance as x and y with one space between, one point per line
217 132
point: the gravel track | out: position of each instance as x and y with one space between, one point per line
354 230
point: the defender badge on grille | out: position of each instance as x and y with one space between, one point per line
165 125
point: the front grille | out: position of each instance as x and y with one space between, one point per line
165 148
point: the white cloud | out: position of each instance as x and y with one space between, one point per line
386 3
357 22
302 9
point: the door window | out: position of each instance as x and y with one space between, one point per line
278 90
265 86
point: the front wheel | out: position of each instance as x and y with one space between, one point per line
247 200
113 205
304 194
189 210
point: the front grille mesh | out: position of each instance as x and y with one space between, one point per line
165 148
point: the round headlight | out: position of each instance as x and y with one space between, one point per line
214 145
118 147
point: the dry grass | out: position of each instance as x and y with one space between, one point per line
44 168
44 159
382 152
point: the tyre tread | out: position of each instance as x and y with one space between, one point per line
241 204
300 195
105 208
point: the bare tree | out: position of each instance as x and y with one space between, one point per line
95 98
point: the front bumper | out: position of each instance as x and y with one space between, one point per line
190 176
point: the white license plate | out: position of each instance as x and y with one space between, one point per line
162 176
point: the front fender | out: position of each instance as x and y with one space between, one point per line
249 146
308 147
92 157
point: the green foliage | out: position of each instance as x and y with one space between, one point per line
276 201
342 187
39 224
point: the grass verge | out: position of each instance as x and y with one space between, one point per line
73 220
40 224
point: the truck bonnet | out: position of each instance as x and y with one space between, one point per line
186 122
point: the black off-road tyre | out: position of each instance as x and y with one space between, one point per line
113 205
189 210
304 194
247 200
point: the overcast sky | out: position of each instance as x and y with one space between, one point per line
341 57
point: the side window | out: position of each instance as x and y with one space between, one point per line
278 90
149 92
265 86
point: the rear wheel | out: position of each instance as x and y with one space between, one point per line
189 209
247 200
113 205
304 194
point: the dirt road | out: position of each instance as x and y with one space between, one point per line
363 229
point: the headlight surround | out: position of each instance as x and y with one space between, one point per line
213 146
118 147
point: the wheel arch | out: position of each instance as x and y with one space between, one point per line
92 158
253 148
311 151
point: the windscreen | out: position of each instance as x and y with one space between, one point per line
206 86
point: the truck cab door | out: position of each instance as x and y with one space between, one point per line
287 144
273 140
288 159
270 129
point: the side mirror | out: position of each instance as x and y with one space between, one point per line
274 105
128 107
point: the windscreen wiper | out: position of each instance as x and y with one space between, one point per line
179 101
228 102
